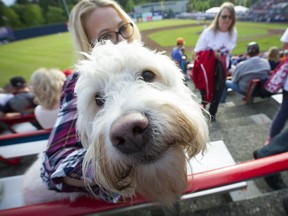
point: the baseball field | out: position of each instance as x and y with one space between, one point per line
56 51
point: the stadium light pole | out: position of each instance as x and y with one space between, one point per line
65 8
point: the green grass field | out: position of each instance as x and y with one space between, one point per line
23 57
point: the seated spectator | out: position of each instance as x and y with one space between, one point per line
6 94
23 100
176 53
273 57
184 61
253 68
46 86
284 55
237 59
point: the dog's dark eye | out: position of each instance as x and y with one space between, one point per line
99 100
148 76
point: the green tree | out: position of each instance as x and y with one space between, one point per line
11 19
19 9
129 6
32 15
2 17
22 2
45 4
55 15
122 3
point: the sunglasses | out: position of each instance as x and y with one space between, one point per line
126 31
224 17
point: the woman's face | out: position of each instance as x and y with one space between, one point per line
225 20
101 21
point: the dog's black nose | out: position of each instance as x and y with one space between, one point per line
129 133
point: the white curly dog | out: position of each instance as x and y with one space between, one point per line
138 122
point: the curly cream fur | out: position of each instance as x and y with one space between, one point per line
176 128
175 118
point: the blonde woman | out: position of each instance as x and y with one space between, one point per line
86 28
46 86
273 57
219 37
90 21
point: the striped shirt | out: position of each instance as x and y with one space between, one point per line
64 154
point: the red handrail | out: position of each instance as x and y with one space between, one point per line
24 134
200 181
18 119
239 172
10 121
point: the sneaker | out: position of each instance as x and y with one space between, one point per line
275 182
213 118
255 155
285 204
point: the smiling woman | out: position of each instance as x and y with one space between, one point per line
220 37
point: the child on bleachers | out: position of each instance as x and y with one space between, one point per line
273 57
46 86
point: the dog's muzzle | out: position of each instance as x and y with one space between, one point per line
130 133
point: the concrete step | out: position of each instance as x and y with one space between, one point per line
267 204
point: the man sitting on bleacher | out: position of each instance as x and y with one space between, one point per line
254 67
23 100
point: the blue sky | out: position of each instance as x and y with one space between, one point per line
8 2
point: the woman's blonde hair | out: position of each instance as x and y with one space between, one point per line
46 86
215 24
77 17
273 54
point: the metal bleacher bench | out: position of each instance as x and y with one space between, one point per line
10 122
249 97
14 146
217 156
23 144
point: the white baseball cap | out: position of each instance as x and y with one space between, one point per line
284 37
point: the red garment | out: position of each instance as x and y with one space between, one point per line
277 80
203 72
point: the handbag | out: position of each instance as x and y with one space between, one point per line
277 79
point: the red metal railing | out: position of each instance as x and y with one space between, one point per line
198 182
10 121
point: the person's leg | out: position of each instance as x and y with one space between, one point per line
280 117
277 145
224 93
203 102
217 94
285 203
233 86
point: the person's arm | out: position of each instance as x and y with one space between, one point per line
233 40
201 42
178 59
7 107
284 40
235 75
